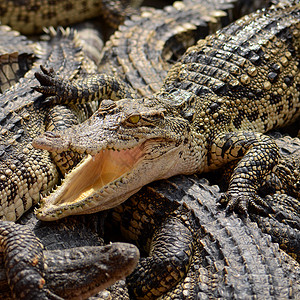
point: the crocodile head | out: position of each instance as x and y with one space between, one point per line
128 144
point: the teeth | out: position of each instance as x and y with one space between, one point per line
124 179
103 173
118 183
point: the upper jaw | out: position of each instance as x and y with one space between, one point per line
106 179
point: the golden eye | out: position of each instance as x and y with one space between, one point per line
134 119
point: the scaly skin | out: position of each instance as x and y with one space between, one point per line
194 250
71 272
30 16
16 56
199 120
143 49
25 172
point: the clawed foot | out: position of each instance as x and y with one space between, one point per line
241 202
53 87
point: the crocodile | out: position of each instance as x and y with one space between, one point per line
16 57
64 261
199 120
26 172
192 249
166 34
143 49
154 219
29 17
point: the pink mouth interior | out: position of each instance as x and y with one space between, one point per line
97 171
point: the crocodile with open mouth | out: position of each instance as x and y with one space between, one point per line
214 106
140 53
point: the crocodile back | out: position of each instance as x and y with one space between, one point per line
26 172
244 76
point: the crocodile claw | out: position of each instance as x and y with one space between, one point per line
53 87
241 203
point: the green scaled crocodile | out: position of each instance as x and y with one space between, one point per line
139 49
29 17
25 172
213 108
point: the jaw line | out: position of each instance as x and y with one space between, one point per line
92 186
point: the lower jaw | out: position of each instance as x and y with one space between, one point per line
94 203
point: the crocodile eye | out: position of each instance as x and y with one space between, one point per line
134 119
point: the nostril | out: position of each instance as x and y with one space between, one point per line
107 104
51 134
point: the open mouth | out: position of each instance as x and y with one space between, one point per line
106 179
97 171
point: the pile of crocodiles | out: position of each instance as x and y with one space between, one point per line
106 129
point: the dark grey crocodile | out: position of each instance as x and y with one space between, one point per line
198 121
195 250
64 260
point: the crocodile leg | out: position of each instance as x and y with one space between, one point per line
87 89
281 217
169 259
260 155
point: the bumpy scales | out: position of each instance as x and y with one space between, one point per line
213 107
